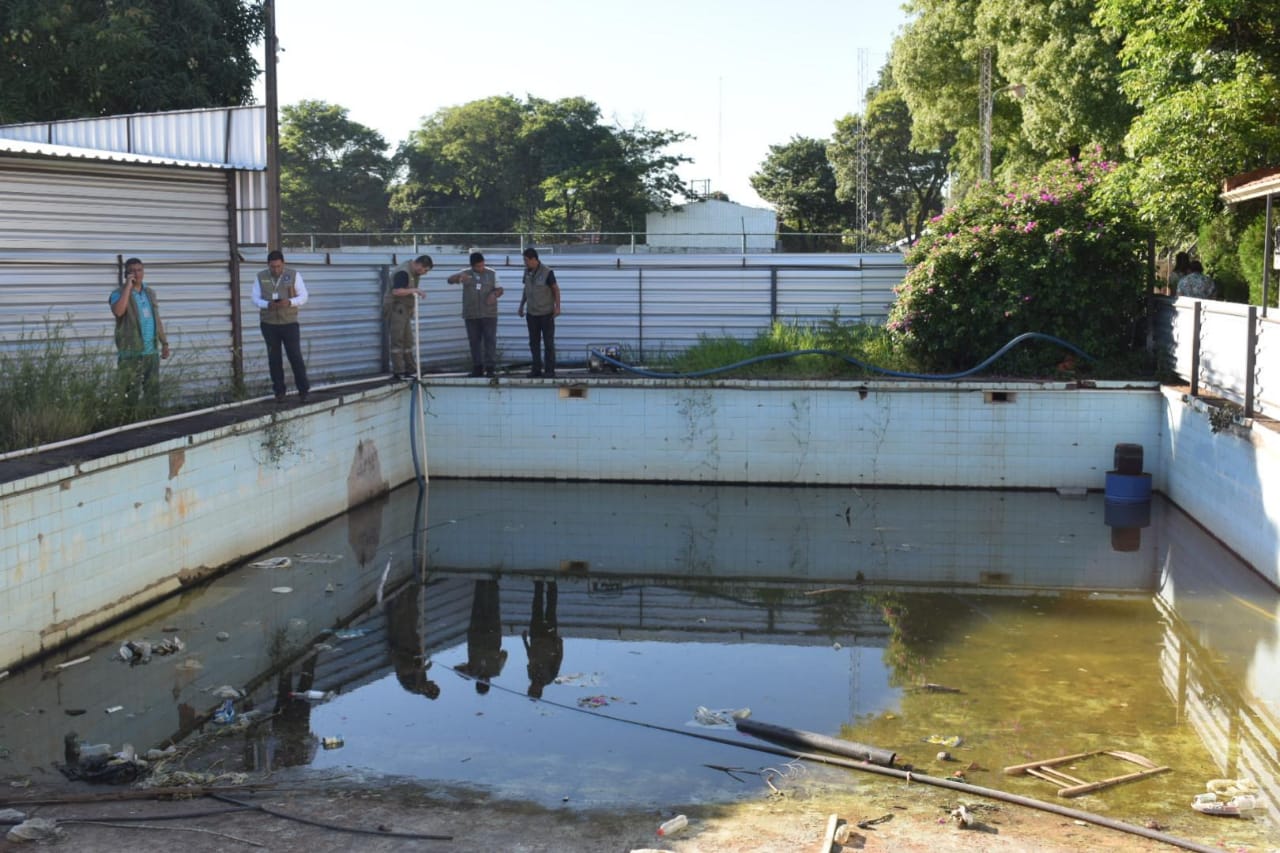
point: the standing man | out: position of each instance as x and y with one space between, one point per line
138 328
402 304
279 292
480 293
543 297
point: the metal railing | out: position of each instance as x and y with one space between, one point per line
603 242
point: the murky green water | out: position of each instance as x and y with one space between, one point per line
430 625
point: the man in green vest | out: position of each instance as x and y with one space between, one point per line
138 329
480 292
279 292
402 304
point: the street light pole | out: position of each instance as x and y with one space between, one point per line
985 105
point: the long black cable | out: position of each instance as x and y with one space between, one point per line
336 827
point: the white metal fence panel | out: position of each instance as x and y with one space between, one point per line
1223 349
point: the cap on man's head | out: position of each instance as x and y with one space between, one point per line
476 258
275 255
531 253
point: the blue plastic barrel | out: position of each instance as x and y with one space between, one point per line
1128 488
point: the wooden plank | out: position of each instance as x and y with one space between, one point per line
1077 790
1062 759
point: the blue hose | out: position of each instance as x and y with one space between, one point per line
1025 336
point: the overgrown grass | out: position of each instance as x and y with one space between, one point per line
872 346
52 390
865 343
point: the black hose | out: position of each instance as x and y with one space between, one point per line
908 775
336 827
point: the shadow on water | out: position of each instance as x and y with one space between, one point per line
1007 626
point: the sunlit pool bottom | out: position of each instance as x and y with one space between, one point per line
829 610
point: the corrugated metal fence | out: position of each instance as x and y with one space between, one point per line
647 304
1231 356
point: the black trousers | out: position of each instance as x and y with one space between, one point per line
542 334
482 335
289 337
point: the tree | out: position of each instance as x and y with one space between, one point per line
74 58
904 184
333 171
797 179
502 164
1206 77
1063 63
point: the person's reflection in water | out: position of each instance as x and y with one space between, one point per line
542 641
291 743
405 638
485 656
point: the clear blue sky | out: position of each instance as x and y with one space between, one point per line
740 75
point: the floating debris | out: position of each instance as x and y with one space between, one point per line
944 740
704 716
350 633
593 701
272 563
72 662
282 590
316 558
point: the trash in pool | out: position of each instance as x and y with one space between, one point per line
35 829
1228 788
72 662
225 714
115 708
282 589
593 701
704 716
272 563
944 740
311 695
350 633
12 816
579 679
1235 807
671 827
317 558
961 816
332 742
226 691
222 636
329 589
73 712
944 756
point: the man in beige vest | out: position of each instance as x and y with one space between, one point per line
480 293
279 292
402 304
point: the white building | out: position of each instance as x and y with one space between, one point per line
711 225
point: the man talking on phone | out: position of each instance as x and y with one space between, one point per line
138 331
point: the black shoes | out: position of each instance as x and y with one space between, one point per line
302 396
490 372
476 372
534 374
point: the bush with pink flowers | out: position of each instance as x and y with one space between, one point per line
1045 256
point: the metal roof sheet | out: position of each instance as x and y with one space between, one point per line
71 152
233 137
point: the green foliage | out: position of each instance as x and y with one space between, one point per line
1249 255
333 171
1065 63
798 179
74 58
1218 249
501 164
1206 77
866 343
904 184
50 391
1044 256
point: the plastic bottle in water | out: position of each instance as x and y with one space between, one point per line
309 695
674 825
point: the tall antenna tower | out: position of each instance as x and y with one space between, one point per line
864 218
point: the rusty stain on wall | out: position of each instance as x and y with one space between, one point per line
177 458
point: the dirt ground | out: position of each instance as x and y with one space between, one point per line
903 817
